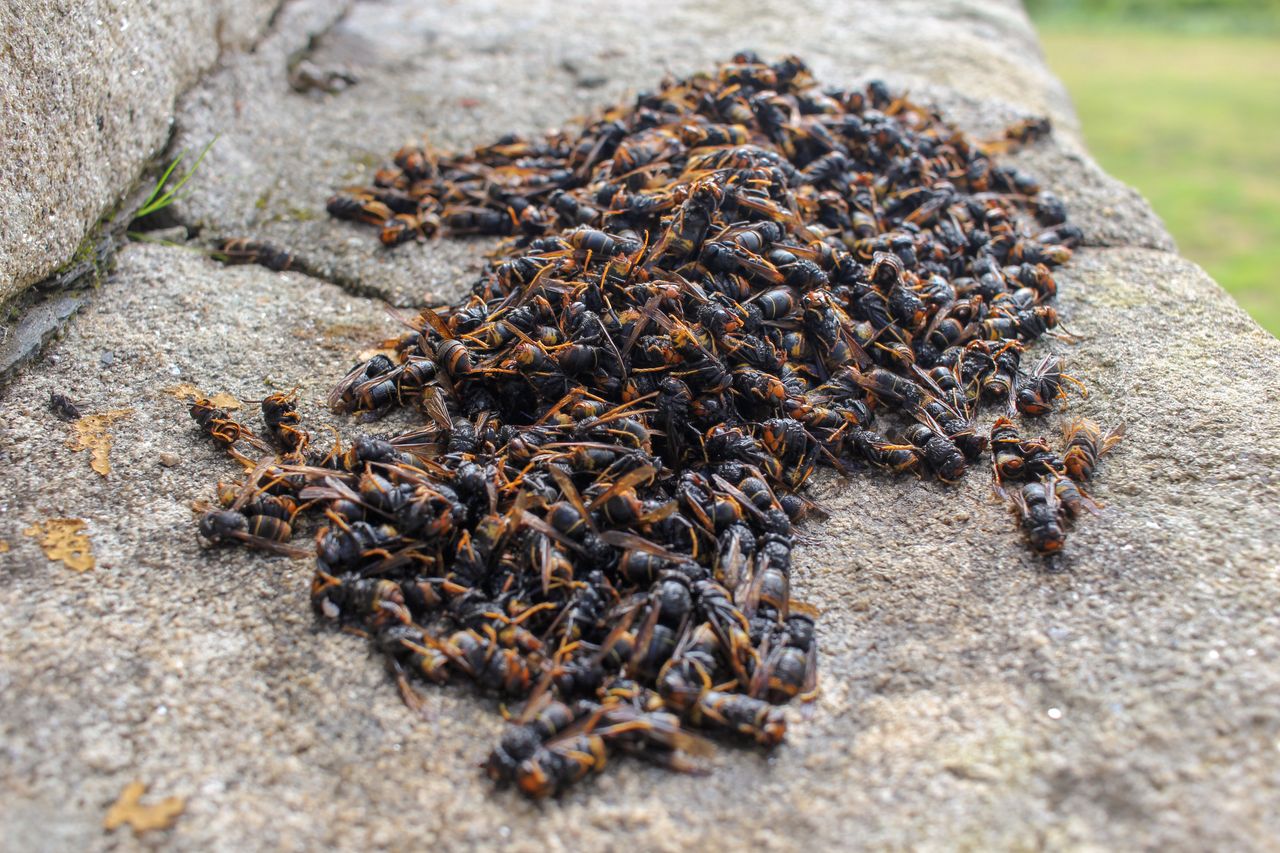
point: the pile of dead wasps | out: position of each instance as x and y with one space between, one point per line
705 295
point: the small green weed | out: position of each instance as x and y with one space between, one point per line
162 194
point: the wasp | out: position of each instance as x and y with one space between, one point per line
708 135
792 446
1087 442
1039 459
883 453
1040 512
240 250
758 389
359 206
690 225
454 357
218 424
559 745
1070 496
376 603
350 547
280 413
483 656
1026 325
404 227
948 412
1039 391
777 303
473 219
686 684
550 753
252 518
939 453
999 383
1028 130
788 666
890 386
1007 459
257 531
649 146
64 407
597 243
370 384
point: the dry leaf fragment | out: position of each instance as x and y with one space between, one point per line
91 434
184 390
223 400
4 546
143 818
61 539
187 391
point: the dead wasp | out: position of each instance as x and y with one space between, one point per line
789 668
883 453
1015 458
280 413
939 453
1039 459
1007 459
220 426
549 753
1086 442
64 407
1072 498
404 227
252 517
1025 325
256 531
369 386
1001 381
560 745
241 250
1024 132
1039 391
1040 512
686 685
361 206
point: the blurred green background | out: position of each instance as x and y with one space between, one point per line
1181 99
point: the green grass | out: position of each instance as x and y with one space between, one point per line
163 193
1193 121
1234 17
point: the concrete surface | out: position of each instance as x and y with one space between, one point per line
87 90
970 698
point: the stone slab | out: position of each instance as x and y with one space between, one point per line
970 698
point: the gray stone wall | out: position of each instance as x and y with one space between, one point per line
87 92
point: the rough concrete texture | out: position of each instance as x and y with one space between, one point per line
87 91
970 698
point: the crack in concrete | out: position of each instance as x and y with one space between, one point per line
301 265
35 317
275 29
